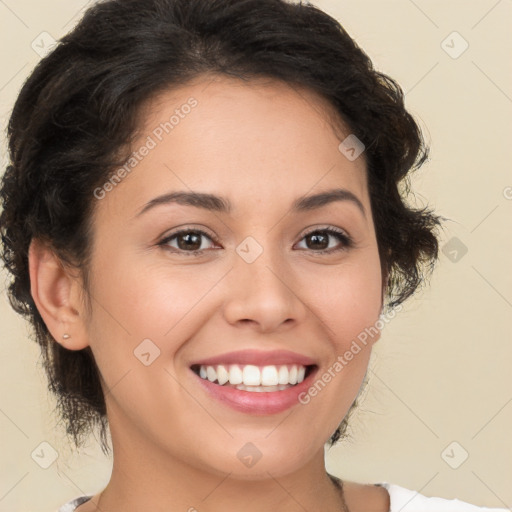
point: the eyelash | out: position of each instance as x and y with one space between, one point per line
345 239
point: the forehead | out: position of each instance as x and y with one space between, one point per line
260 139
246 96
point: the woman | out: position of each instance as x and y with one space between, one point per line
202 217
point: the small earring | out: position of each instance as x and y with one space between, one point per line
66 336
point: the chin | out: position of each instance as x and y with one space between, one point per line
255 457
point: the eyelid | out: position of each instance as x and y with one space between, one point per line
189 227
326 227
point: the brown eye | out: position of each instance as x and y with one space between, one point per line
319 240
187 240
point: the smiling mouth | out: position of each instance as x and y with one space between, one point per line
247 377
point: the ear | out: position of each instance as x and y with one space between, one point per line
56 294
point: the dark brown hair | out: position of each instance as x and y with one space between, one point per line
78 110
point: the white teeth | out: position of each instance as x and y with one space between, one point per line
252 375
283 375
292 378
269 376
222 375
211 374
235 375
253 378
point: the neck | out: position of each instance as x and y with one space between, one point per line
144 477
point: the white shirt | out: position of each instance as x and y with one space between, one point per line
401 500
406 500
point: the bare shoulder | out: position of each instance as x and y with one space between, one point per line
366 497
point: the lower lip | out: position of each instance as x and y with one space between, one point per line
254 402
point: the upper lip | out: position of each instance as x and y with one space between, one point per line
258 358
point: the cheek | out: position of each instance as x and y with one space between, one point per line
165 302
347 301
145 298
347 298
133 303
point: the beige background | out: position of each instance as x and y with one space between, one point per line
441 371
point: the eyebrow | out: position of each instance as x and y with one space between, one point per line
219 204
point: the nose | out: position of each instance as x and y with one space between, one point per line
263 295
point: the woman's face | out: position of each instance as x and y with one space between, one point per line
259 296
